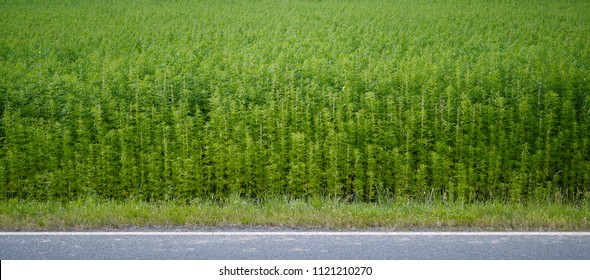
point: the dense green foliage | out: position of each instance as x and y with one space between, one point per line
353 100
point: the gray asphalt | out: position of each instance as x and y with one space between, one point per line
296 246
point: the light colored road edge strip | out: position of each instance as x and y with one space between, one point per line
290 233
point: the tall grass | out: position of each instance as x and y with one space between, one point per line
358 100
92 213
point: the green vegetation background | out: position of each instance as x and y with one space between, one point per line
360 101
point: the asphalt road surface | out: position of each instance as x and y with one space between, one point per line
298 245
